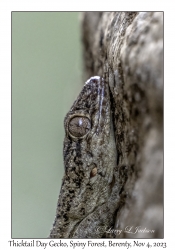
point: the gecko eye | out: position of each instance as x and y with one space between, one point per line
79 126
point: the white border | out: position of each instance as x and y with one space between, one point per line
5 98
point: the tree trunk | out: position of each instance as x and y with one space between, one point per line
126 49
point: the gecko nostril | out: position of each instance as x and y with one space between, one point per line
93 172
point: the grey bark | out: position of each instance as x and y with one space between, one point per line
126 48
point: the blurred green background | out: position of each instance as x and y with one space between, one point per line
46 79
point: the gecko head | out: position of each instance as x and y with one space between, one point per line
89 159
90 113
88 154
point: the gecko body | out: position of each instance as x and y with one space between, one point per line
89 161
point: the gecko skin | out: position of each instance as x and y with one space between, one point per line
87 200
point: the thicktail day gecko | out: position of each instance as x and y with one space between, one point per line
89 193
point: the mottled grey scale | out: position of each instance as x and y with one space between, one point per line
89 159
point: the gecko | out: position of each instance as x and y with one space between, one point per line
89 194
